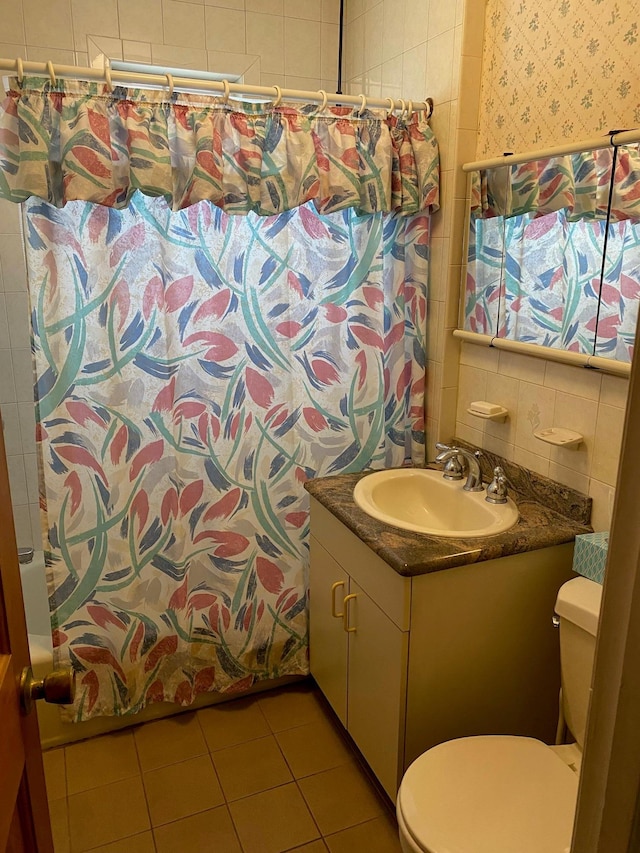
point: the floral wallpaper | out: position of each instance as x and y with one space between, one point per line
557 70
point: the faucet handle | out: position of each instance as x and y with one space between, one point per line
443 447
497 488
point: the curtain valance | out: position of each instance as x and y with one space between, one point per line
77 140
576 183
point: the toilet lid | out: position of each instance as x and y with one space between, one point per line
494 794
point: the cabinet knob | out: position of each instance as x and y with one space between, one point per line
345 617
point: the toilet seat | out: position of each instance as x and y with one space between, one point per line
490 794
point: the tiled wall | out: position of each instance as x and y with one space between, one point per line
540 394
414 49
291 43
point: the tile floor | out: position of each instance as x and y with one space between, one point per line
264 774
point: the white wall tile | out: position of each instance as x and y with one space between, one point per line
573 380
603 497
442 17
27 417
18 319
331 11
311 10
265 38
226 30
94 17
267 7
532 461
14 268
535 411
5 342
12 29
614 391
22 524
234 63
606 454
179 57
57 55
373 36
17 480
302 47
11 429
440 62
100 46
416 23
225 4
579 414
7 385
414 73
522 367
48 24
393 25
472 386
36 526
183 24
23 375
31 476
141 21
329 38
136 51
9 217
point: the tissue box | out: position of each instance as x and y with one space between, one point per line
590 555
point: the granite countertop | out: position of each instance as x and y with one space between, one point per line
550 514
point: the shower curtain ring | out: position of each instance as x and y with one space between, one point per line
278 99
51 72
392 105
19 70
409 109
363 104
429 103
325 98
170 84
403 107
226 91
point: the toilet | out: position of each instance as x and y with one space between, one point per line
502 793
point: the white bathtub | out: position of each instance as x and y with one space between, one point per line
53 731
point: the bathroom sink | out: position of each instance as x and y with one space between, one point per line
421 500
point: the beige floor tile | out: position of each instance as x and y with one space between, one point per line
169 741
291 706
100 761
232 723
251 767
142 843
182 789
59 815
313 747
208 831
315 847
340 798
374 836
273 821
106 814
55 773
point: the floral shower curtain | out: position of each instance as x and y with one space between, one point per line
194 368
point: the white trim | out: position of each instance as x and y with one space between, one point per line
626 137
129 78
594 362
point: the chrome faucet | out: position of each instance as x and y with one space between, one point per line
460 455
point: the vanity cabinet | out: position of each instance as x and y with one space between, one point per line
409 662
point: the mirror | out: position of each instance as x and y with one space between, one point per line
554 252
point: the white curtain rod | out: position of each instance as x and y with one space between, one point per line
113 77
621 137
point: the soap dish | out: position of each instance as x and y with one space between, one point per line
559 437
500 415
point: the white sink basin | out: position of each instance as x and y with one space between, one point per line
423 501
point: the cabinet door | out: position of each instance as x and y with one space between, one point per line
378 652
328 642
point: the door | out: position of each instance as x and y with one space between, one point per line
378 653
328 586
24 812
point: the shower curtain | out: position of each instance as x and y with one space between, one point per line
193 370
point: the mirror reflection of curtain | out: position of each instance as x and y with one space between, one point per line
193 369
567 268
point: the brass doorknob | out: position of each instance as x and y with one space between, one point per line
58 688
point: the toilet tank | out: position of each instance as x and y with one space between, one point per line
578 609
